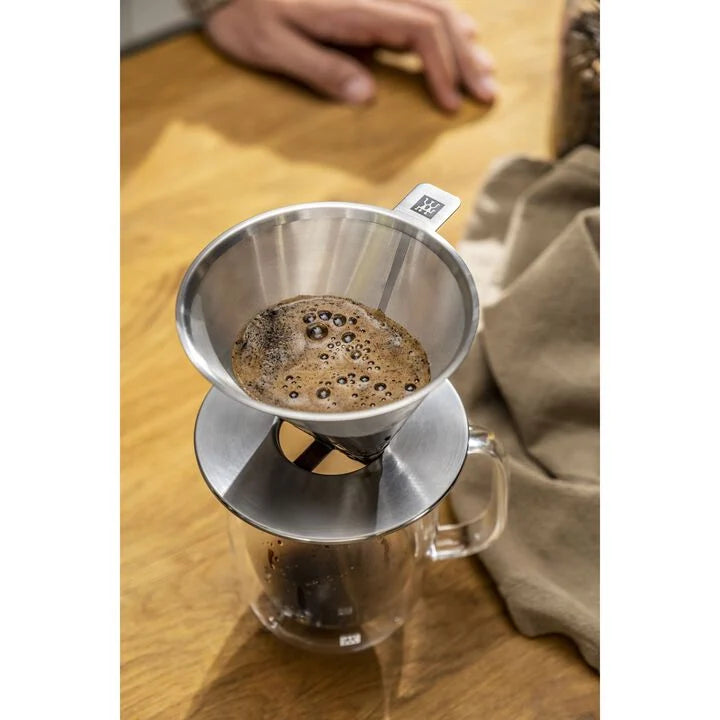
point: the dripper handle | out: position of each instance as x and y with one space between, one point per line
427 206
468 538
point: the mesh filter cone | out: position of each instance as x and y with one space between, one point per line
381 258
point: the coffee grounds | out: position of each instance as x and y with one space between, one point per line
327 354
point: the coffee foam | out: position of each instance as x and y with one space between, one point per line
327 354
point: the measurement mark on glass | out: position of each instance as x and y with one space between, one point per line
350 639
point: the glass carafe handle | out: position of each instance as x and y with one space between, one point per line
467 538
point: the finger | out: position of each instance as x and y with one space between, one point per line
468 25
458 22
484 59
393 25
330 72
475 64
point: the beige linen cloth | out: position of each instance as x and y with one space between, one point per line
532 376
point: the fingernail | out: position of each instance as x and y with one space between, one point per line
485 88
357 90
468 23
453 101
483 58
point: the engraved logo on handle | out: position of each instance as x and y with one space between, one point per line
428 207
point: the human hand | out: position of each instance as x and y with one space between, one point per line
287 36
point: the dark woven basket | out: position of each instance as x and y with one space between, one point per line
577 104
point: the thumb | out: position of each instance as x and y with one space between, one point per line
330 72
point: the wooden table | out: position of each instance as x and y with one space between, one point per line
205 144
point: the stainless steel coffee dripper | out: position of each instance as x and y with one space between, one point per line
334 562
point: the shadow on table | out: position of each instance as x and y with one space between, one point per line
258 676
195 86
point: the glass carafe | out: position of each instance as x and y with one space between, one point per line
344 597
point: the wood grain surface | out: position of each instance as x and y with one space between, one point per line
204 145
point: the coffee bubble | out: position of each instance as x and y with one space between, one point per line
317 331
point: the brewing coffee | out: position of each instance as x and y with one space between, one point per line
327 354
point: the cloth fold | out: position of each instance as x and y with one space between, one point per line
532 376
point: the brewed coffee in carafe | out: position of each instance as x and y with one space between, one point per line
337 587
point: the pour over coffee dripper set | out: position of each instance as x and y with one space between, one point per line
336 560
